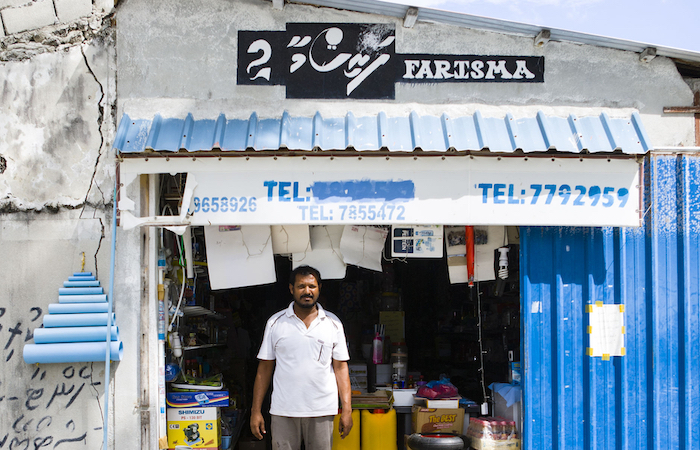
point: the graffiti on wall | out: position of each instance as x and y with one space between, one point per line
46 412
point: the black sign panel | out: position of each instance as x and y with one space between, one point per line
338 61
470 68
320 60
261 57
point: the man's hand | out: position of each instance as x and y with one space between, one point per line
262 382
342 377
257 425
345 423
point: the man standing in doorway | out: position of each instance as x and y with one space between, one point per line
304 345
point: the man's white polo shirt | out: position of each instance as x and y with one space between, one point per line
304 383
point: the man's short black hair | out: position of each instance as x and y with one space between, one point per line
304 271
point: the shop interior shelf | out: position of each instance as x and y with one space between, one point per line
194 311
199 347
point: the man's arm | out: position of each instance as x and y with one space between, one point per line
342 377
262 383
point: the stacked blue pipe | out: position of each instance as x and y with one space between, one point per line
75 330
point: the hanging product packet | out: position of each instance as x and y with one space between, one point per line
441 388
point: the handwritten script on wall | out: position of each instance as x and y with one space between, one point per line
43 406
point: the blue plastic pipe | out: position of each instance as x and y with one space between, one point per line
71 352
73 334
80 290
82 298
78 320
77 277
90 283
77 308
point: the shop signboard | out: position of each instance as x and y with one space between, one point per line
349 60
447 190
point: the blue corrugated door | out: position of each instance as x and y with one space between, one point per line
650 397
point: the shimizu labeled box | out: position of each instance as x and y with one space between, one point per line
205 399
194 427
437 420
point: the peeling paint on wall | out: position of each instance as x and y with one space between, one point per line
53 138
57 94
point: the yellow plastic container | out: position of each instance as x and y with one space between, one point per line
379 430
352 440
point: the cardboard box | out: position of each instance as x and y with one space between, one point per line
433 420
207 399
393 321
358 383
195 427
514 372
404 397
449 403
358 369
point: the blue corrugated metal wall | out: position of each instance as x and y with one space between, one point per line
649 398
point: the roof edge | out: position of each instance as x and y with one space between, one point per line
501 26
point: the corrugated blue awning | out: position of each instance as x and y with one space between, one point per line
396 134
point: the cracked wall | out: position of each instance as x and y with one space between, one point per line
52 131
57 174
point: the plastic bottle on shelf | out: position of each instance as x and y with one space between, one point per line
501 429
377 349
175 344
512 431
399 362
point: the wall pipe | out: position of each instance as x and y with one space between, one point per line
153 207
187 243
105 424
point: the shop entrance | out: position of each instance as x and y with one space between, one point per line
468 334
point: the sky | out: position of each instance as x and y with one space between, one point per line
669 23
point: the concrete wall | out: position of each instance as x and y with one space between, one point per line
173 76
57 96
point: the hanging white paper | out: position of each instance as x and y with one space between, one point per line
457 269
417 241
455 243
323 253
363 246
289 239
606 330
239 256
486 241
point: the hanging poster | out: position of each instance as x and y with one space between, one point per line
239 256
363 246
417 241
323 252
289 239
